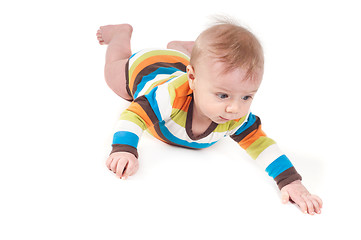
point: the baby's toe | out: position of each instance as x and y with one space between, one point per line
100 39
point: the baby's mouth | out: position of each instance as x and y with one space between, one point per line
225 119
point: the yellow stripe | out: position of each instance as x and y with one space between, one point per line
156 83
229 126
180 117
144 56
255 149
176 83
131 116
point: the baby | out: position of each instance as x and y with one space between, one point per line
192 94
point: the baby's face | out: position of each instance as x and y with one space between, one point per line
221 97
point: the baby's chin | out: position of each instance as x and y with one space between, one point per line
220 120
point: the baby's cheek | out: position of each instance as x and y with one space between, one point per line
246 109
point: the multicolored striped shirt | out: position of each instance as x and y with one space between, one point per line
163 103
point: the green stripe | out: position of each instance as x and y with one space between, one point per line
150 88
179 117
154 53
222 127
229 126
174 84
258 146
133 117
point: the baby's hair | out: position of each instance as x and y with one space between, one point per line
228 42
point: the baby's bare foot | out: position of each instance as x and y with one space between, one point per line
105 34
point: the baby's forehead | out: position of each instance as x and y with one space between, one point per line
233 79
224 69
234 83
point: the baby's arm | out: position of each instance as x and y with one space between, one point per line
270 157
265 152
123 159
308 203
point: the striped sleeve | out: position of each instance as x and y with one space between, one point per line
265 152
133 121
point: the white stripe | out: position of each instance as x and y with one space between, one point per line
180 132
177 130
163 99
129 126
159 77
236 129
140 53
149 84
137 55
267 156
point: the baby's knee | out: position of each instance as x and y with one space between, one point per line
173 44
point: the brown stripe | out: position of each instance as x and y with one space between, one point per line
124 148
189 121
143 102
153 67
244 134
127 79
286 177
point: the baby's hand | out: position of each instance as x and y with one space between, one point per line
298 193
123 164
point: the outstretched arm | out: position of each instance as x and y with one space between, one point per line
267 154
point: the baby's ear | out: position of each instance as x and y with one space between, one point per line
191 77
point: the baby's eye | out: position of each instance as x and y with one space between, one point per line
245 98
222 95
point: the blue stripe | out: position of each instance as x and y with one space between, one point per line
249 122
181 142
134 54
153 103
151 76
127 138
278 166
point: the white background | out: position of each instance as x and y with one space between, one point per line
57 118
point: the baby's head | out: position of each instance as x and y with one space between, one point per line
225 72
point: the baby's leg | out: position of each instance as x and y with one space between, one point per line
183 46
117 37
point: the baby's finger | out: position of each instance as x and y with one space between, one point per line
285 196
302 205
319 200
108 162
128 170
309 205
113 165
300 202
316 206
121 166
132 168
135 169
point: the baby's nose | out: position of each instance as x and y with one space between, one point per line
233 108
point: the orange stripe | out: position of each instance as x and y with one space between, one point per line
135 107
182 92
155 134
152 60
251 138
161 82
